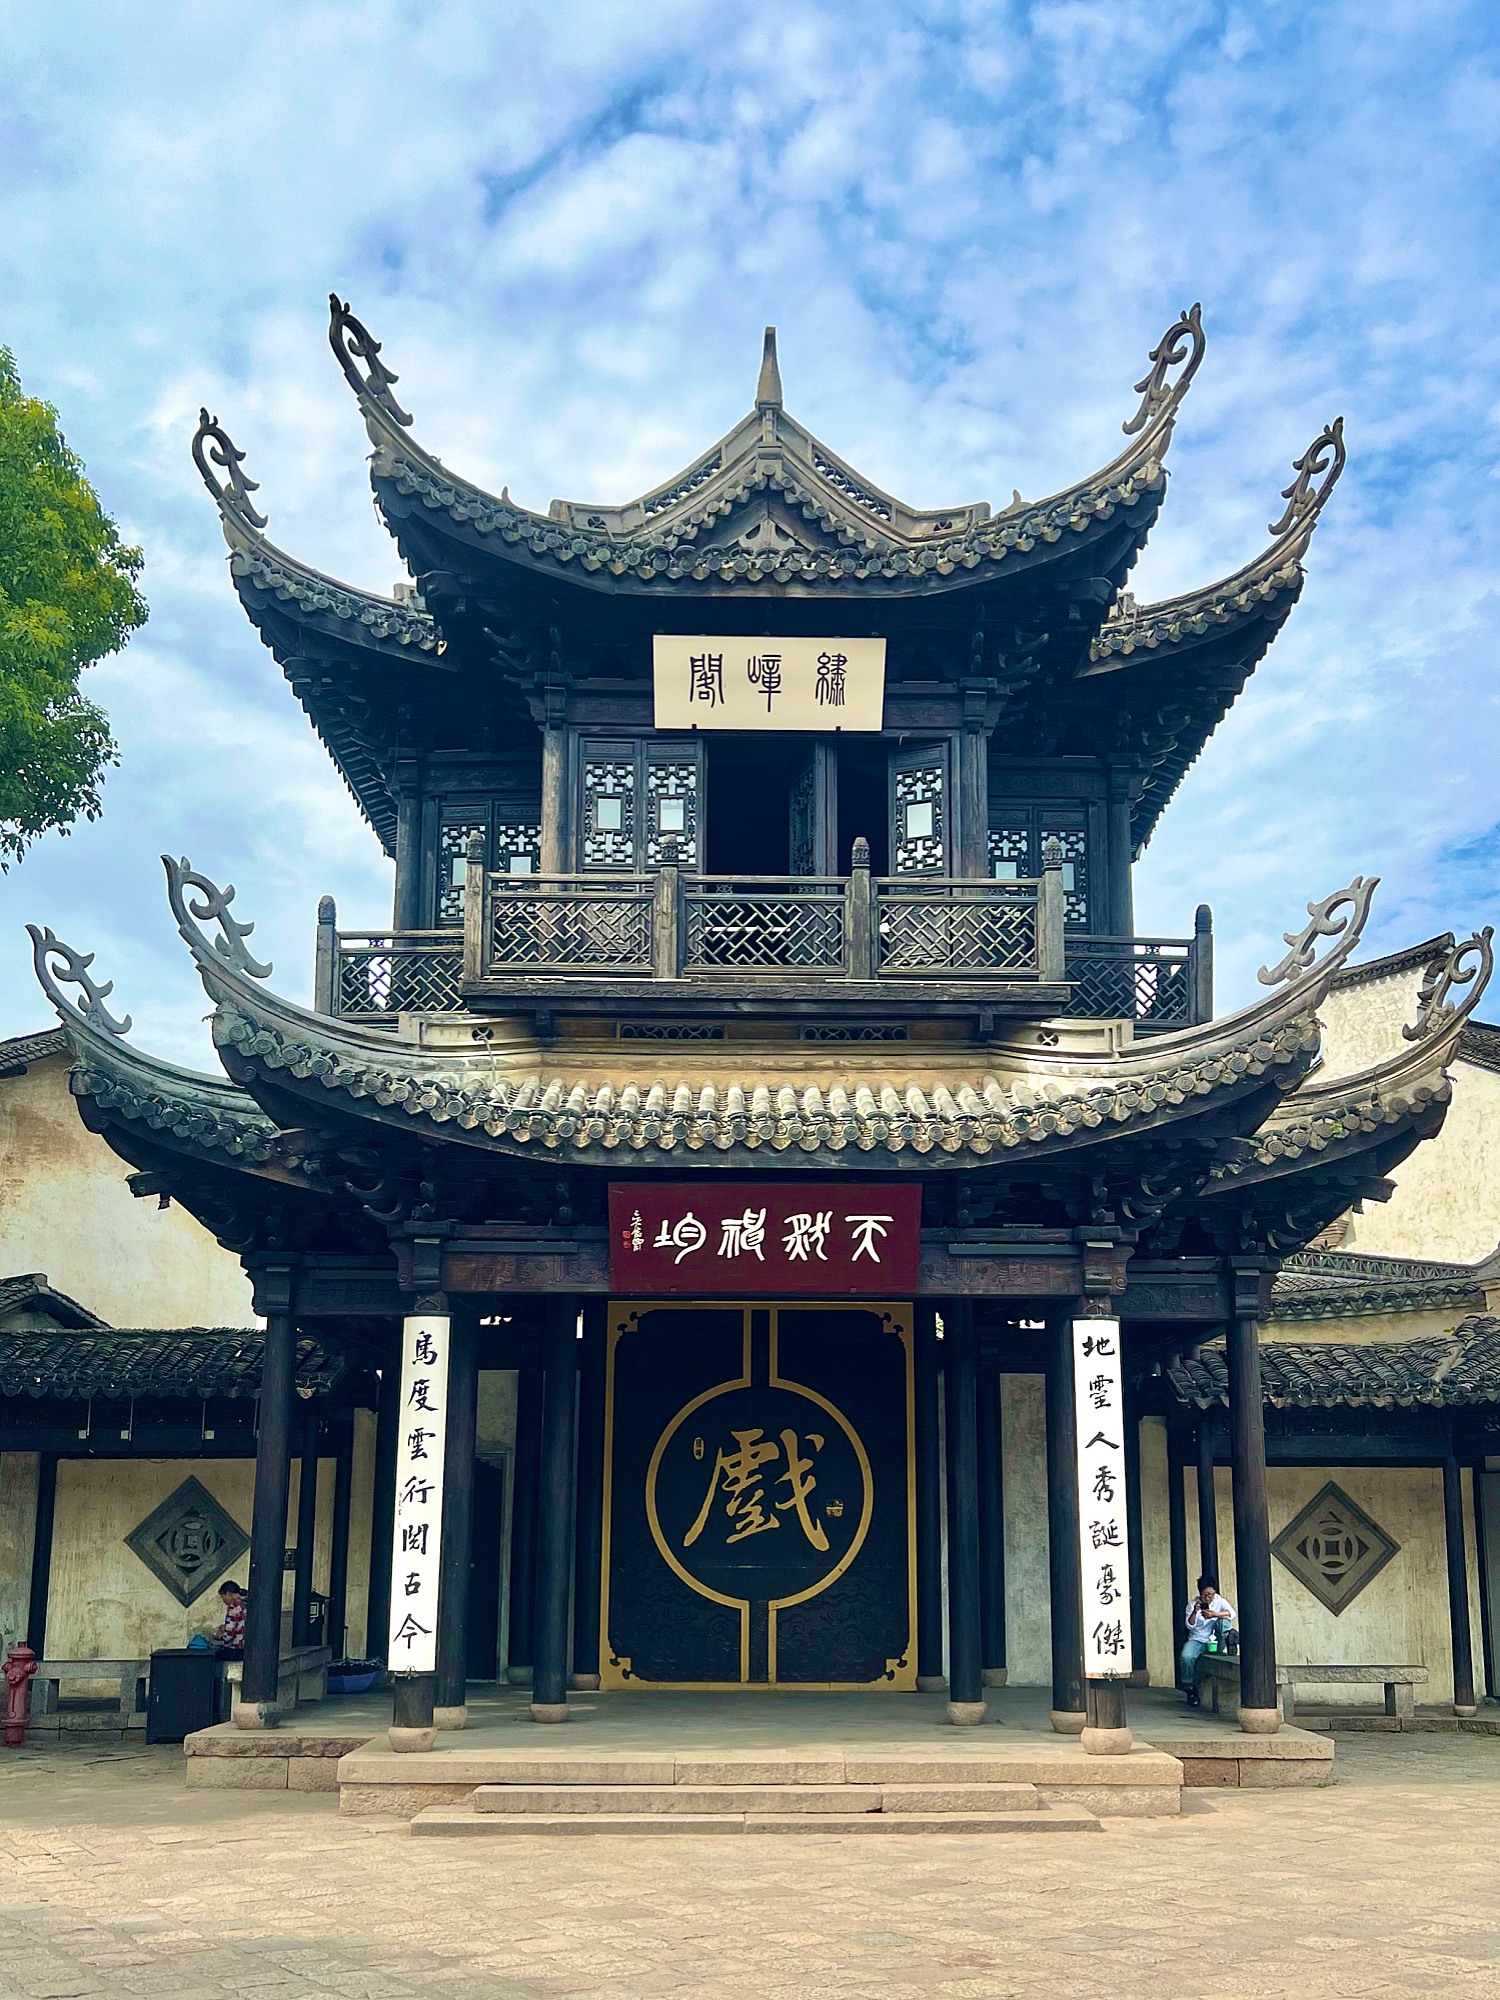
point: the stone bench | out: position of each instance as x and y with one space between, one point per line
1218 1679
127 1676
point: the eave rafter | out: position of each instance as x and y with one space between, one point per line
859 539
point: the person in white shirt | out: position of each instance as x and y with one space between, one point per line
1207 1614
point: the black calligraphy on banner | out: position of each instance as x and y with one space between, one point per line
1103 1527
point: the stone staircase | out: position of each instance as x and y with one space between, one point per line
585 1804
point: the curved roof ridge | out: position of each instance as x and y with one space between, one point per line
253 554
660 534
1276 571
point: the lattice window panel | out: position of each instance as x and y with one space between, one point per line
672 810
453 846
553 928
920 843
940 933
1075 871
1010 853
669 1031
863 1032
764 932
516 847
609 800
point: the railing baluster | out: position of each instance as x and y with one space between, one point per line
326 959
664 907
859 917
476 907
1201 975
1051 947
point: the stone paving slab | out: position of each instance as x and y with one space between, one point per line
115 1880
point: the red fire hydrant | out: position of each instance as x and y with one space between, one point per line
20 1666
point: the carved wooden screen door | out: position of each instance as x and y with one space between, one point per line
759 1511
638 802
921 810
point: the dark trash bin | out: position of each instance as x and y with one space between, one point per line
182 1695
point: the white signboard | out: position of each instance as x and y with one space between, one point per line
418 1545
1103 1534
807 684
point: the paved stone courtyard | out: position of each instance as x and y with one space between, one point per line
118 1882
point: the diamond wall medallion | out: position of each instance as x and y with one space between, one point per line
188 1541
1333 1548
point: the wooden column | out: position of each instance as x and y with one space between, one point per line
1177 1545
528 1458
927 1458
256 1707
960 1406
1065 1579
1458 1583
991 1525
1208 1513
555 857
1135 1535
554 1542
338 1557
307 1528
383 1506
588 1550
41 1553
451 1699
1252 1518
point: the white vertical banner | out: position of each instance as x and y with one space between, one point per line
1103 1529
418 1545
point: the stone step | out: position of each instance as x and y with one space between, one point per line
681 1799
463 1820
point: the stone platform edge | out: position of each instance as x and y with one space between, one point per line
227 1759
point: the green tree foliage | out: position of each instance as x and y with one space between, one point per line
67 598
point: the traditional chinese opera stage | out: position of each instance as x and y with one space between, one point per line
794 1762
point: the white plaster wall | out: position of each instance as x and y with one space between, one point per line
1028 1628
1447 1199
65 1210
103 1602
1401 1618
1156 1550
18 1488
361 1509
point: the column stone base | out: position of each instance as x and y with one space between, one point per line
410 1739
931 1683
584 1683
994 1677
519 1677
267 1714
1260 1721
1465 1709
450 1718
966 1713
1106 1742
1068 1721
549 1711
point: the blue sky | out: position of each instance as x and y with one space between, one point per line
568 224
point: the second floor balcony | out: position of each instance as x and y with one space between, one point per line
699 947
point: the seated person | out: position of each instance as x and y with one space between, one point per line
1209 1616
230 1636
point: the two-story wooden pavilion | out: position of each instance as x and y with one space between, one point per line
761 1059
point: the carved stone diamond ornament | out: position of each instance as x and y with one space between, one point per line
189 1541
1333 1548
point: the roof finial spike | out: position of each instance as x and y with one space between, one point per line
768 388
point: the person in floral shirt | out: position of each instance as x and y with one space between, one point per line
230 1637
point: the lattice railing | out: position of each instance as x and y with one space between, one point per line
1145 980
763 924
379 973
961 928
568 923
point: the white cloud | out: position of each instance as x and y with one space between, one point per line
568 224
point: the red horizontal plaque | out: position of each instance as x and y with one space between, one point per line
703 1239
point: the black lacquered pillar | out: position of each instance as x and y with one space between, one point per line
256 1707
991 1524
1259 1714
589 1517
1208 1513
1458 1584
960 1406
527 1465
554 1540
1064 1574
383 1502
927 1457
1135 1535
450 1709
